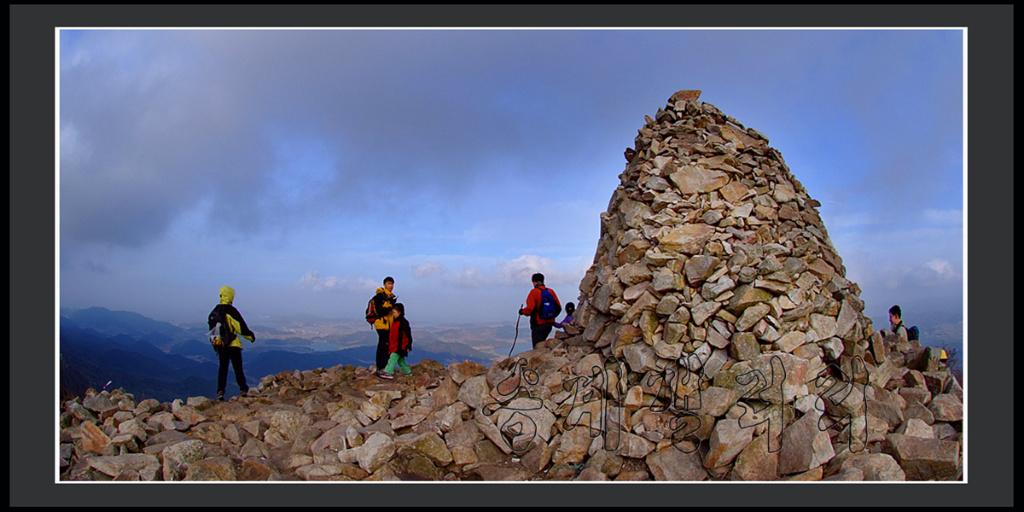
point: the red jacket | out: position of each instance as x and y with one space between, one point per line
400 337
532 307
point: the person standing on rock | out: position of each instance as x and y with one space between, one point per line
541 318
232 326
399 343
383 301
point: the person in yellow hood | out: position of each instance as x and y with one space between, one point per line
383 301
233 328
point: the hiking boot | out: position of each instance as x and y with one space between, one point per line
220 396
386 376
407 372
245 392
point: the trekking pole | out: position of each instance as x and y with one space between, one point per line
518 316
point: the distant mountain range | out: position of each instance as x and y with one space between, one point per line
153 359
101 348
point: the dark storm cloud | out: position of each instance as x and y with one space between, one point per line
183 116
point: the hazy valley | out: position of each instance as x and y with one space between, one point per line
100 348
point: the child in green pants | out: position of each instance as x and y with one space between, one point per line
399 343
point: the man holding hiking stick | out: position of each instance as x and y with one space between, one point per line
543 308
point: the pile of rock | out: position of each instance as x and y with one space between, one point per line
715 275
716 338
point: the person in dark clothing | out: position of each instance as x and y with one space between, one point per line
382 303
570 309
399 343
540 328
897 338
233 327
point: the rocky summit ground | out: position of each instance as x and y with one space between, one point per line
453 424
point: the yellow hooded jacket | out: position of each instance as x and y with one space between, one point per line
383 303
236 324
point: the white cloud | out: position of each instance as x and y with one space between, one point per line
520 270
313 280
470 277
943 269
427 269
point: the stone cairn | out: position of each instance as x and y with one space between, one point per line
716 339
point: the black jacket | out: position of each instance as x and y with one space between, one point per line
218 315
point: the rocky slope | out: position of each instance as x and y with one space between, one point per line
717 338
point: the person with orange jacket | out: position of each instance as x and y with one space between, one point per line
540 327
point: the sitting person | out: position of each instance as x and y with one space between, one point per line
570 308
897 337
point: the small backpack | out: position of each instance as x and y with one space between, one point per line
371 311
216 336
913 333
549 306
220 335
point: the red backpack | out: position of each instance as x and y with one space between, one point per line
371 311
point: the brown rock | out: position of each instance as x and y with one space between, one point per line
256 470
213 468
94 440
572 446
464 370
946 407
923 458
804 446
728 439
686 239
537 458
876 467
699 268
744 346
685 95
756 462
140 466
672 464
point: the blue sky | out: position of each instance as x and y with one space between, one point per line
300 167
